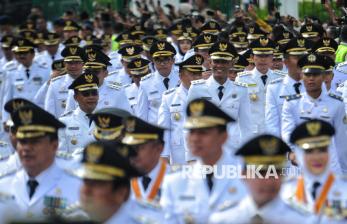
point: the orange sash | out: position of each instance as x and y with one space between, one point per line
301 197
154 191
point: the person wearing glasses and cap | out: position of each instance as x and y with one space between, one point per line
280 88
40 189
111 93
171 111
318 189
316 102
152 86
57 92
79 126
190 196
105 193
229 96
27 78
258 80
138 68
263 204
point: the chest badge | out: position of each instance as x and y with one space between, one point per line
253 97
73 140
177 116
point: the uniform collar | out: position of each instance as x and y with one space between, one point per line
43 176
256 72
154 172
216 84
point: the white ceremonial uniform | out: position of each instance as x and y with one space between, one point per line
55 191
115 61
334 206
327 107
132 91
172 116
150 94
276 93
235 102
40 96
257 92
47 59
186 197
111 94
135 212
19 85
77 133
340 75
57 94
121 77
274 212
342 89
157 174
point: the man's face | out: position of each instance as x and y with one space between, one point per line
74 68
163 64
220 68
87 100
187 77
263 62
277 64
70 33
184 45
328 78
52 49
7 52
204 142
316 160
98 198
25 58
232 75
313 82
147 156
125 66
264 190
36 154
291 62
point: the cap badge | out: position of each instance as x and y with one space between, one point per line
91 56
138 63
286 35
326 42
309 28
239 29
161 46
196 108
189 29
130 50
301 42
68 23
149 41
207 38
313 128
160 32
251 30
212 25
73 50
242 38
20 42
125 36
26 116
223 46
89 78
198 60
269 146
94 153
130 125
124 151
263 42
311 58
104 122
179 26
30 26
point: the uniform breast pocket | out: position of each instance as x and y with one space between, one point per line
253 94
19 85
232 108
37 81
176 117
73 134
62 99
154 99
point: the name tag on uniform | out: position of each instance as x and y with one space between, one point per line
283 96
154 92
187 197
37 79
131 98
206 98
18 80
175 105
306 118
73 128
63 91
326 117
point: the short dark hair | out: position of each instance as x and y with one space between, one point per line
119 183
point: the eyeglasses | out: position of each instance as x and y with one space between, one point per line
90 92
